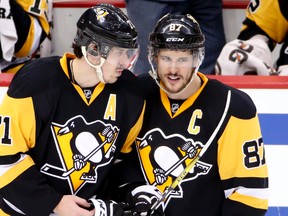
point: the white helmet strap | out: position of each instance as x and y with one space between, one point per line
98 68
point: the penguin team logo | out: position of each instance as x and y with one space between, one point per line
168 157
83 148
101 13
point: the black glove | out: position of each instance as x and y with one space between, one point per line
142 199
107 207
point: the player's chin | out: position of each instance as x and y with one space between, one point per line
112 80
170 89
172 86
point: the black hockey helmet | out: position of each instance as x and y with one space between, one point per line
106 25
102 29
177 32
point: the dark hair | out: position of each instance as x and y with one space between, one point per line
77 50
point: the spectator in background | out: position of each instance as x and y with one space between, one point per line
24 26
145 14
266 25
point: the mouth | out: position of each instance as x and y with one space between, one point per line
173 79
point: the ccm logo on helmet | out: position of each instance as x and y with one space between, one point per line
174 39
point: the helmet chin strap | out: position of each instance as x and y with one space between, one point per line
96 67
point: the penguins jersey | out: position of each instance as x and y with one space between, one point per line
269 18
55 142
231 176
31 19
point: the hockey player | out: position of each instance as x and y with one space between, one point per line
208 13
266 25
191 118
65 119
25 32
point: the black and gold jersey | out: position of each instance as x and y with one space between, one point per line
32 14
30 23
269 17
231 177
47 126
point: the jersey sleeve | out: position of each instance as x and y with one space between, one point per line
241 160
268 17
22 187
32 24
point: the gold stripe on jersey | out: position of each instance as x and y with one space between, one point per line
15 170
14 69
267 15
39 9
165 102
251 201
187 103
23 132
64 62
27 46
3 213
246 147
133 133
98 89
